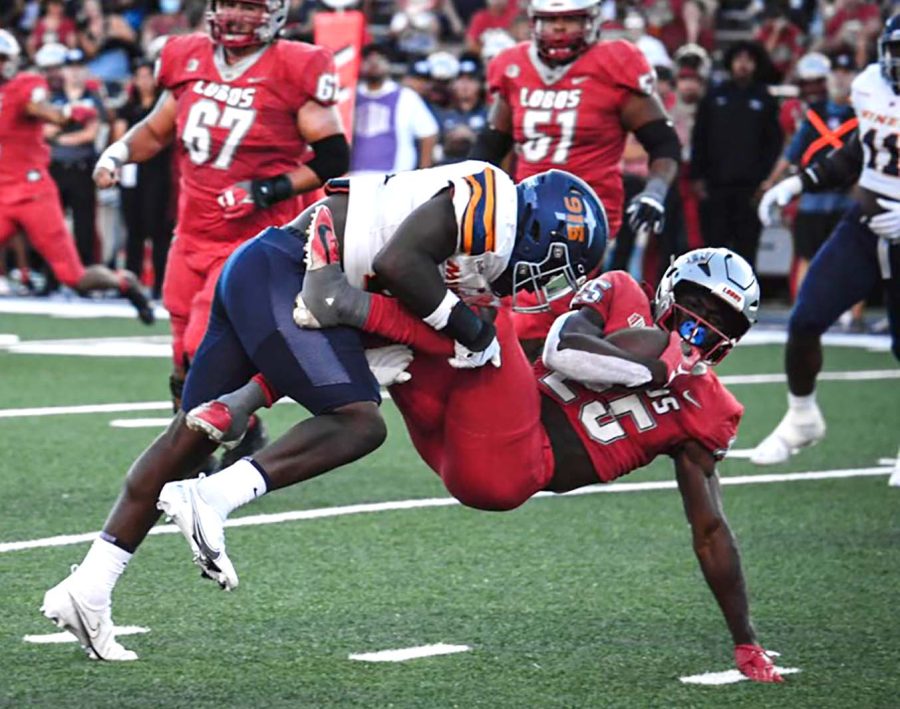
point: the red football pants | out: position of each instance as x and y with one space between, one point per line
42 220
188 290
479 429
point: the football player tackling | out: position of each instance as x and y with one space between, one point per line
416 234
863 247
254 120
590 412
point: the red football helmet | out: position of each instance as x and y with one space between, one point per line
556 47
245 23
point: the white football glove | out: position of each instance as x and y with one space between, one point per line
464 358
887 224
389 364
778 196
302 315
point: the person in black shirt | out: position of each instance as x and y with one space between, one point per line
146 188
736 140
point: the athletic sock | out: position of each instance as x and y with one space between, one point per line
96 576
802 404
235 486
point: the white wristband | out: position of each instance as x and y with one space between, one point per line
114 156
441 314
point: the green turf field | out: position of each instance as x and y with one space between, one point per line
587 601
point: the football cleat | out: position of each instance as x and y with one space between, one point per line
253 438
202 527
798 429
321 243
93 627
133 293
215 420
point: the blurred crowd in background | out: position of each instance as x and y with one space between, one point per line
430 57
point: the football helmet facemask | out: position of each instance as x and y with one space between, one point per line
245 23
555 47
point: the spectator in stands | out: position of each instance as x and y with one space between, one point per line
735 142
443 68
108 43
169 20
393 129
855 24
145 189
53 27
781 38
651 47
493 42
466 115
72 151
418 78
498 15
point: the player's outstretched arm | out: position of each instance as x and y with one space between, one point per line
142 142
645 116
716 550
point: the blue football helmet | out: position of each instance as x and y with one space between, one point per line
561 236
889 53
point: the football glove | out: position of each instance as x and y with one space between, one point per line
678 363
79 112
755 663
464 358
389 364
778 196
237 201
887 224
646 212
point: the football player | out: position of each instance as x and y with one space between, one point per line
244 108
567 100
864 246
589 412
29 198
418 234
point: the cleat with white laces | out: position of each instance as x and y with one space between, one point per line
93 627
216 421
203 528
798 429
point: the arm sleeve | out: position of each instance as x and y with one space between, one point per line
838 170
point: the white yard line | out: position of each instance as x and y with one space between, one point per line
728 677
409 653
732 379
67 637
372 507
140 423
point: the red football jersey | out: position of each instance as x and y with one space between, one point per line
24 154
569 118
623 429
237 123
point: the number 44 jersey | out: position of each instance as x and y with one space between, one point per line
570 117
625 429
238 122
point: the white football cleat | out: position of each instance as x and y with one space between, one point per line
93 628
798 429
202 527
894 480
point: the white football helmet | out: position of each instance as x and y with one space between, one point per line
716 271
229 26
9 48
561 48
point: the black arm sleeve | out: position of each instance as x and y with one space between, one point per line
492 146
332 157
659 139
839 170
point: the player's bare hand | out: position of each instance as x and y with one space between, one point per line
464 358
237 201
103 178
755 663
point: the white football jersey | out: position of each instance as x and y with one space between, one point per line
485 203
878 110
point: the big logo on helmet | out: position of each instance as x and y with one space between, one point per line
574 218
